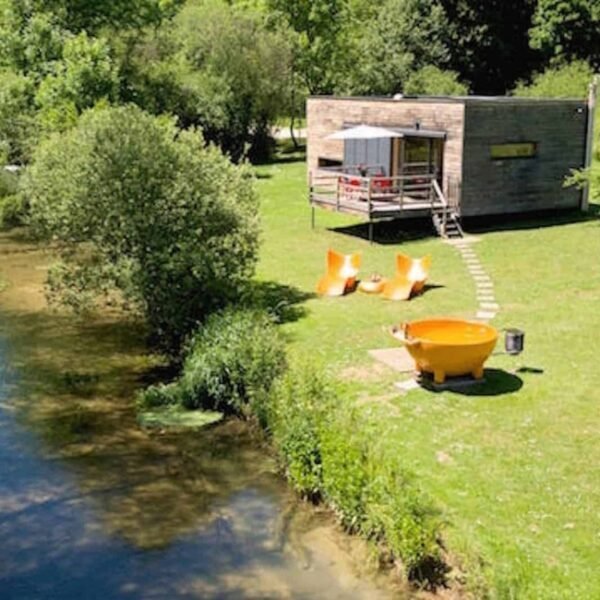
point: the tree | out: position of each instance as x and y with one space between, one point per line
234 67
318 47
85 75
17 117
567 30
30 41
434 82
146 215
568 81
403 37
490 42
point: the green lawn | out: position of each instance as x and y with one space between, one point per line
520 481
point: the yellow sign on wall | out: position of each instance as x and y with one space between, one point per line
520 150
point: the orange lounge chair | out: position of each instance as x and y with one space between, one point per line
341 274
411 275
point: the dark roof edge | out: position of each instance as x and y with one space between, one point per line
456 99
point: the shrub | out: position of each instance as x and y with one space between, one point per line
301 405
397 512
232 363
13 210
345 477
148 211
9 183
160 395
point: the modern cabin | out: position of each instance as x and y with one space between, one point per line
450 157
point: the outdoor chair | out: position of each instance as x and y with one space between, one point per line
341 274
411 275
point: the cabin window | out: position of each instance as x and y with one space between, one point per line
513 150
329 162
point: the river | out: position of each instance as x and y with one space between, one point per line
94 506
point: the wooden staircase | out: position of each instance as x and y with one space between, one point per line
447 223
445 218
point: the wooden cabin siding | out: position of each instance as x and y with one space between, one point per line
510 185
326 115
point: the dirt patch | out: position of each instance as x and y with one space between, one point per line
372 372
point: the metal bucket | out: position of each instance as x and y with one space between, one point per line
514 341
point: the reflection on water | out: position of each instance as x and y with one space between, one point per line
91 506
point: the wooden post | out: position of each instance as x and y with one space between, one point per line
589 146
312 216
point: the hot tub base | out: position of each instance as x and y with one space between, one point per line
441 376
457 383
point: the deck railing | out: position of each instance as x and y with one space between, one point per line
342 185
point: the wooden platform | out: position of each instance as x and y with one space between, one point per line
380 207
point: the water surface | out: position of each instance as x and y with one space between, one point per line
93 506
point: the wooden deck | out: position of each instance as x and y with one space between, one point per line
375 198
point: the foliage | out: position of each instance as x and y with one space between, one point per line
300 406
31 40
327 455
345 471
13 210
318 39
567 30
403 37
232 363
85 75
568 81
397 511
82 15
17 117
434 82
490 42
237 66
157 216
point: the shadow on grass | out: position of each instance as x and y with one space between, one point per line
395 231
284 302
532 220
496 383
285 152
432 287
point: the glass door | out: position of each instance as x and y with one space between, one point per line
419 156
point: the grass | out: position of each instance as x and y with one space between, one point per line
519 484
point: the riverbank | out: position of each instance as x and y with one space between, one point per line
507 463
92 505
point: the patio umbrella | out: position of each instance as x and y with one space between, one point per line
364 132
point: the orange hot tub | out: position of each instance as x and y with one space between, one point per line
448 347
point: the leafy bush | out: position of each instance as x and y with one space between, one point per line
345 476
13 210
17 119
301 405
398 513
326 455
231 365
148 211
160 395
567 81
9 183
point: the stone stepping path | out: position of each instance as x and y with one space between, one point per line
488 307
